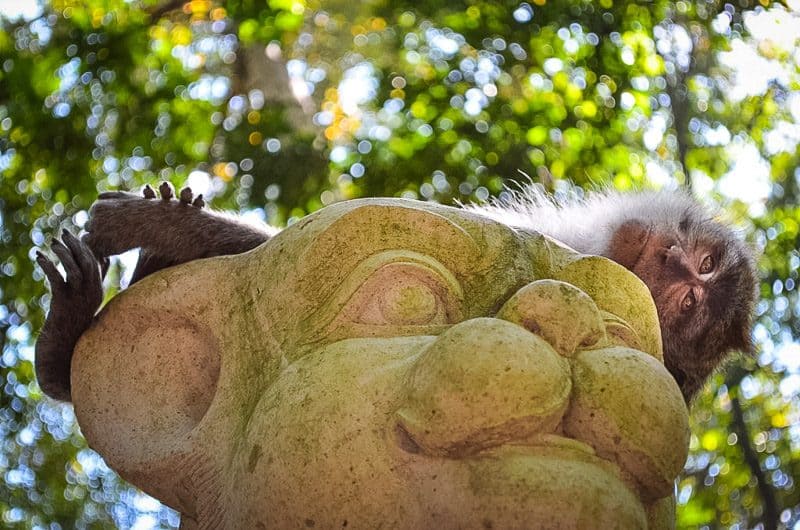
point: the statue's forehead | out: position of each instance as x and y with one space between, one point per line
465 243
373 224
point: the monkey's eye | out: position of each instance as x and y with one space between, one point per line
688 301
707 265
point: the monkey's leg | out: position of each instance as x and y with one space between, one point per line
75 300
171 230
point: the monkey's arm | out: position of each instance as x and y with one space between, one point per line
169 231
75 300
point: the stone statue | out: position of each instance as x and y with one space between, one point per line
394 364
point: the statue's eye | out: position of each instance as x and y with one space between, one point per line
403 294
688 301
707 265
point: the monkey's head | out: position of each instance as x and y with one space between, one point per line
703 280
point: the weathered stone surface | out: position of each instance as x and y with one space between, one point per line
389 363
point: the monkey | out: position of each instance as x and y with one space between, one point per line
701 275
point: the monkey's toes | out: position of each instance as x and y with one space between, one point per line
148 192
199 202
166 191
186 195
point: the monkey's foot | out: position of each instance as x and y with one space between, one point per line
120 221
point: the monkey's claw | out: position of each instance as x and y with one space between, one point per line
186 198
50 271
166 191
75 299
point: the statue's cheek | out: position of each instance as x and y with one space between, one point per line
141 385
628 407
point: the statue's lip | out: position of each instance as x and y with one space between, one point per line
546 443
551 444
551 447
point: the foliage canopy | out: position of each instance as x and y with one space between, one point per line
277 108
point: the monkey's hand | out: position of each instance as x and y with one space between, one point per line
168 230
75 300
120 221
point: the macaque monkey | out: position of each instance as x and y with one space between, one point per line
701 276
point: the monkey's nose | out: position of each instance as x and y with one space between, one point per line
676 259
675 254
542 307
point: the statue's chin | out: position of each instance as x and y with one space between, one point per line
532 487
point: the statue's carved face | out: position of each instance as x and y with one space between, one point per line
389 363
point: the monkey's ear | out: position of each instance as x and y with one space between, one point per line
628 242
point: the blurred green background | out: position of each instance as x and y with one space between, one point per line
277 108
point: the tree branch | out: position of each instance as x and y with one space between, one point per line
678 94
771 514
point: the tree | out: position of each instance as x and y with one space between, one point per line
278 108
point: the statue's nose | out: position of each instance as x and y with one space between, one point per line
490 381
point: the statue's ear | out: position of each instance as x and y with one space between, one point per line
143 377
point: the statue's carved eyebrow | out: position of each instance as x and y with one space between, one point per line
377 228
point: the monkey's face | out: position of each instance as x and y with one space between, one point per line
701 280
389 363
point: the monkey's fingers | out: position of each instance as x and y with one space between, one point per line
67 260
199 202
50 271
166 191
82 255
186 195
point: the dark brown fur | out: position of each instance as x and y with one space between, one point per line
167 231
703 316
